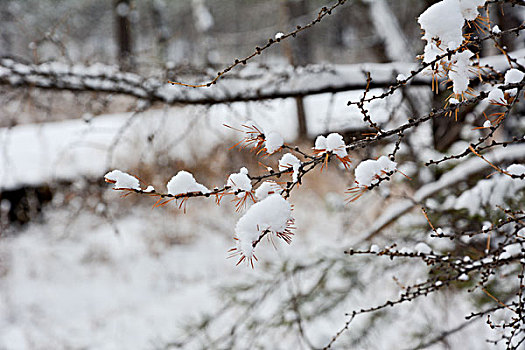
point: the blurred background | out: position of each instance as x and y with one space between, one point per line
83 90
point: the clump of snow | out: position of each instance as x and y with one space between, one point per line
487 124
122 180
443 30
288 161
495 30
267 188
513 76
401 77
272 214
369 171
332 143
463 277
511 250
336 144
444 21
320 143
496 96
460 72
453 101
184 182
469 8
279 35
149 189
423 248
386 164
516 169
274 142
240 181
374 248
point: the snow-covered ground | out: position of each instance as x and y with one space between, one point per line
88 287
73 282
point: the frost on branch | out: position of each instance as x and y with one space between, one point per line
122 180
271 216
184 182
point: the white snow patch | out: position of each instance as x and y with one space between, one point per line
442 20
272 214
513 76
423 248
460 72
184 182
288 161
469 8
496 95
122 180
369 171
267 188
374 248
240 181
332 143
274 142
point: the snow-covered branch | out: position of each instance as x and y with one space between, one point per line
460 173
251 84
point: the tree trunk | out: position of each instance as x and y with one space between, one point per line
123 34
298 52
158 10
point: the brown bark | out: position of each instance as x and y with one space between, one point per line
123 34
298 54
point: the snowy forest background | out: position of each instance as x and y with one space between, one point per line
84 90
